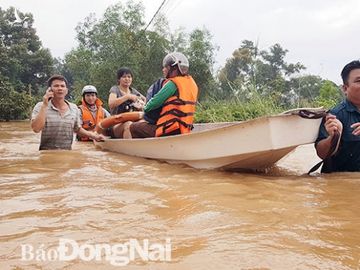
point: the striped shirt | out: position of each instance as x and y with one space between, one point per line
58 131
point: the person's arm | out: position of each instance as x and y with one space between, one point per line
331 126
168 90
116 101
81 116
92 135
142 98
323 147
39 112
106 113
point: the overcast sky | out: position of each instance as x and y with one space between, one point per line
321 34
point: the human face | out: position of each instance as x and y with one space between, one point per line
352 87
59 88
125 80
165 71
169 73
90 98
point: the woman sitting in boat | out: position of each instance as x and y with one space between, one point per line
91 110
124 98
176 99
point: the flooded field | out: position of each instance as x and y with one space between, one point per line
209 219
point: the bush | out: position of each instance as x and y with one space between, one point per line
14 105
235 110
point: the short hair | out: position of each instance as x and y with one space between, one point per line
348 68
123 71
57 77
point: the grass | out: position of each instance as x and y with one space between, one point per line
235 110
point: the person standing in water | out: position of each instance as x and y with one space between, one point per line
57 119
343 122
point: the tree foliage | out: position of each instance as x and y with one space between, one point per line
119 39
330 94
23 61
201 54
24 64
265 70
304 89
114 41
13 105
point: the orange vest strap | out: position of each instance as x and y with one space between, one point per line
179 102
177 113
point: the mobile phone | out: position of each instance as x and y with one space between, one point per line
50 90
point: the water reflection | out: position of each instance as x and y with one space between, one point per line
215 220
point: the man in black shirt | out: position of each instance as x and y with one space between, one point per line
344 119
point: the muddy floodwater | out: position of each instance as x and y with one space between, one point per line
73 203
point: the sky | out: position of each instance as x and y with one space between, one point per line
323 35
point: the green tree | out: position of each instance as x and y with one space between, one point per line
239 71
119 39
22 59
265 72
330 94
116 40
306 88
178 40
13 105
201 57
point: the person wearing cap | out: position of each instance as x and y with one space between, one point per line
176 100
57 119
91 110
124 98
342 154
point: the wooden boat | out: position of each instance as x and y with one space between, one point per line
250 145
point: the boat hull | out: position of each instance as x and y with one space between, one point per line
254 144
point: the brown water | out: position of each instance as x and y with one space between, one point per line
215 220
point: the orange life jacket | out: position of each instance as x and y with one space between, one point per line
89 122
177 113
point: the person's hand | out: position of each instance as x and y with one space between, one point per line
332 124
97 137
48 95
132 97
356 128
143 99
139 104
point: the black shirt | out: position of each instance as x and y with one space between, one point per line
347 159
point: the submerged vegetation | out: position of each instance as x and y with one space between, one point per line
236 109
228 111
251 83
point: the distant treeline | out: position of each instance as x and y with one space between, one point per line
252 82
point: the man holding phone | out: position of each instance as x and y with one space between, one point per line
58 119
